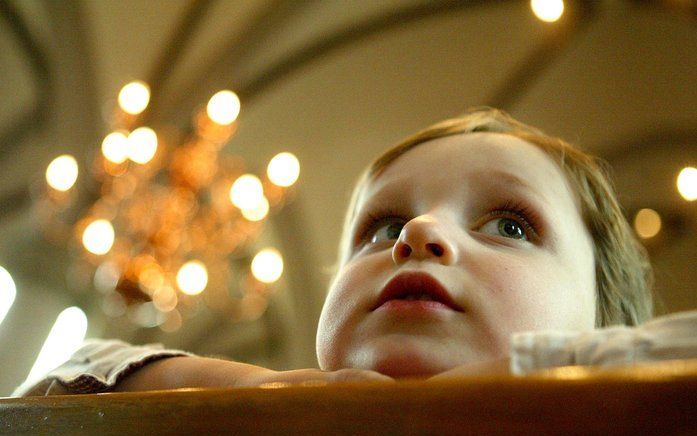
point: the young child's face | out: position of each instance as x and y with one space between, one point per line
492 219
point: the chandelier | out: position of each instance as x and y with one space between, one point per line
172 223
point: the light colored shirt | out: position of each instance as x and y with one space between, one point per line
96 367
666 338
99 364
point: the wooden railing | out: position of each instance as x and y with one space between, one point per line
653 399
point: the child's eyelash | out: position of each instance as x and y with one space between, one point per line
372 219
525 214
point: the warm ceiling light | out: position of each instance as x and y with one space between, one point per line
283 169
267 265
224 107
647 223
98 237
61 173
134 97
8 292
687 183
547 10
258 212
142 145
115 147
192 277
247 192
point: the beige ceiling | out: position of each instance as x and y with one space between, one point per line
334 82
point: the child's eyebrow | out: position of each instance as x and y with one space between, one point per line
483 178
511 179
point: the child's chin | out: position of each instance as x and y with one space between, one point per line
401 368
404 362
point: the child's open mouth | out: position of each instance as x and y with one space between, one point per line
415 290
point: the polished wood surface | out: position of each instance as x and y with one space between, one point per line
651 399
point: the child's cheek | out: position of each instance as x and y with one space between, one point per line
329 340
350 296
520 294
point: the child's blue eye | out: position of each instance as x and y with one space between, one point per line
506 227
389 231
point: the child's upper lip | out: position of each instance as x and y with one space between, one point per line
412 282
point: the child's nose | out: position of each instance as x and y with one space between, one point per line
421 238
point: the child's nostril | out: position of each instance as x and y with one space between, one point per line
405 250
435 249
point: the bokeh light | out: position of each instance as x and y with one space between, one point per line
98 237
547 10
114 305
247 192
192 277
257 213
224 107
165 299
647 223
61 173
145 315
687 183
267 265
283 169
106 277
8 292
151 277
115 147
134 97
142 145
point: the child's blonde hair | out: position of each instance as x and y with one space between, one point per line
624 276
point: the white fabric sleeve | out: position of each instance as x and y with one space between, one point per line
665 338
96 367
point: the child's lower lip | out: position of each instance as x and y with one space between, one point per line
415 306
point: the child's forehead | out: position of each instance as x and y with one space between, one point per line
472 170
471 160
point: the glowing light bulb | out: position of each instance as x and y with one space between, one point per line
283 169
258 212
98 237
8 292
65 338
223 108
61 173
115 147
192 277
687 183
267 265
647 223
547 10
142 145
247 192
134 97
